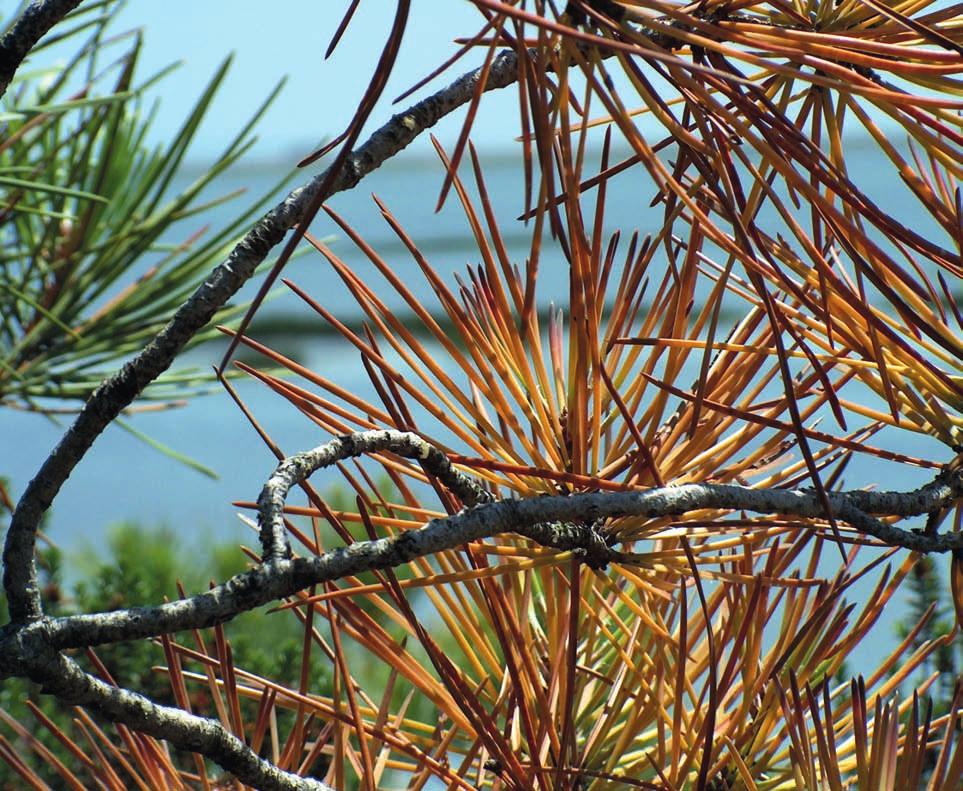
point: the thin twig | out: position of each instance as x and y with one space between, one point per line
295 469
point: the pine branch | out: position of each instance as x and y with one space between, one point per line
31 645
117 392
567 523
63 678
564 522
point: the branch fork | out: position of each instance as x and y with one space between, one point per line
564 522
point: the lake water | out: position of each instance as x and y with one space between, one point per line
123 479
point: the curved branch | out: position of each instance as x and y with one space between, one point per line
70 684
117 392
295 469
565 522
569 522
16 43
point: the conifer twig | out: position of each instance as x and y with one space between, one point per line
117 392
566 522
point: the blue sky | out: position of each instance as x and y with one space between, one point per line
271 40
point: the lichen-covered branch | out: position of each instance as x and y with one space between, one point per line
297 468
117 392
63 678
36 19
566 522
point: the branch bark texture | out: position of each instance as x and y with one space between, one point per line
33 24
69 683
117 392
565 522
568 523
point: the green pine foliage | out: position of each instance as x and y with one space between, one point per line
97 248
